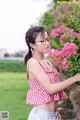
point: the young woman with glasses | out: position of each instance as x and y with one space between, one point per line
45 88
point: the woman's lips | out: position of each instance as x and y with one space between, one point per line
47 50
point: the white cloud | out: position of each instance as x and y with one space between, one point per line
16 16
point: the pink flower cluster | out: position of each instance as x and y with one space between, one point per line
56 13
77 35
60 32
60 58
56 32
73 33
63 36
69 49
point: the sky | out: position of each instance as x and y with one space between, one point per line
16 16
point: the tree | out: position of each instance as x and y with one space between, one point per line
18 54
6 55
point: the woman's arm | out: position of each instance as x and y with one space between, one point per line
37 71
59 115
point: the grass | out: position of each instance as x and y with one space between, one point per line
13 90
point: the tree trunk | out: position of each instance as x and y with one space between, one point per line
75 99
74 96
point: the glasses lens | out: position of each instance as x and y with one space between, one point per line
43 42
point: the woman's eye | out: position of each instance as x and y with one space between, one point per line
42 41
48 40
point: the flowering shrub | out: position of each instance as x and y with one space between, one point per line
65 39
68 54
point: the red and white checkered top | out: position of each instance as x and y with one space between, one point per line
37 94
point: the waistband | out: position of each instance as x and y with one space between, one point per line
36 109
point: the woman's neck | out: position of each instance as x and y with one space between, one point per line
38 56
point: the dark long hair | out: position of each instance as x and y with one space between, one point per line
30 37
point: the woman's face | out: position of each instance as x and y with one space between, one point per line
42 43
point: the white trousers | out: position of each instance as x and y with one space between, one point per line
41 114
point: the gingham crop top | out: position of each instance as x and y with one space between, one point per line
37 94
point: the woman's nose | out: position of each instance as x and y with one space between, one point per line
47 42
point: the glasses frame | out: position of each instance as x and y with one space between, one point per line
43 42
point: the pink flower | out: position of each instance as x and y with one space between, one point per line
78 36
62 6
55 54
59 30
58 59
69 49
73 33
56 23
62 16
56 13
54 34
71 30
63 36
64 65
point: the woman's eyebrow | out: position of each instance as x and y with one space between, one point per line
44 37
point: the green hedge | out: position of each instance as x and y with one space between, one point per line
12 66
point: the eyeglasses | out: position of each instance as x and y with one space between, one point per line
43 42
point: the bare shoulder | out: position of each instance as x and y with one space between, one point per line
31 62
34 65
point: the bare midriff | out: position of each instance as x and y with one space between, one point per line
51 106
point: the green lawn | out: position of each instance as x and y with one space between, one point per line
13 90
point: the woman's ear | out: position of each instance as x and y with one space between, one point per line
32 45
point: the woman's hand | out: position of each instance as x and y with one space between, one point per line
77 77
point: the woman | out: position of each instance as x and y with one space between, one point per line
45 87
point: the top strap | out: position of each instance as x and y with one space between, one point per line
49 64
